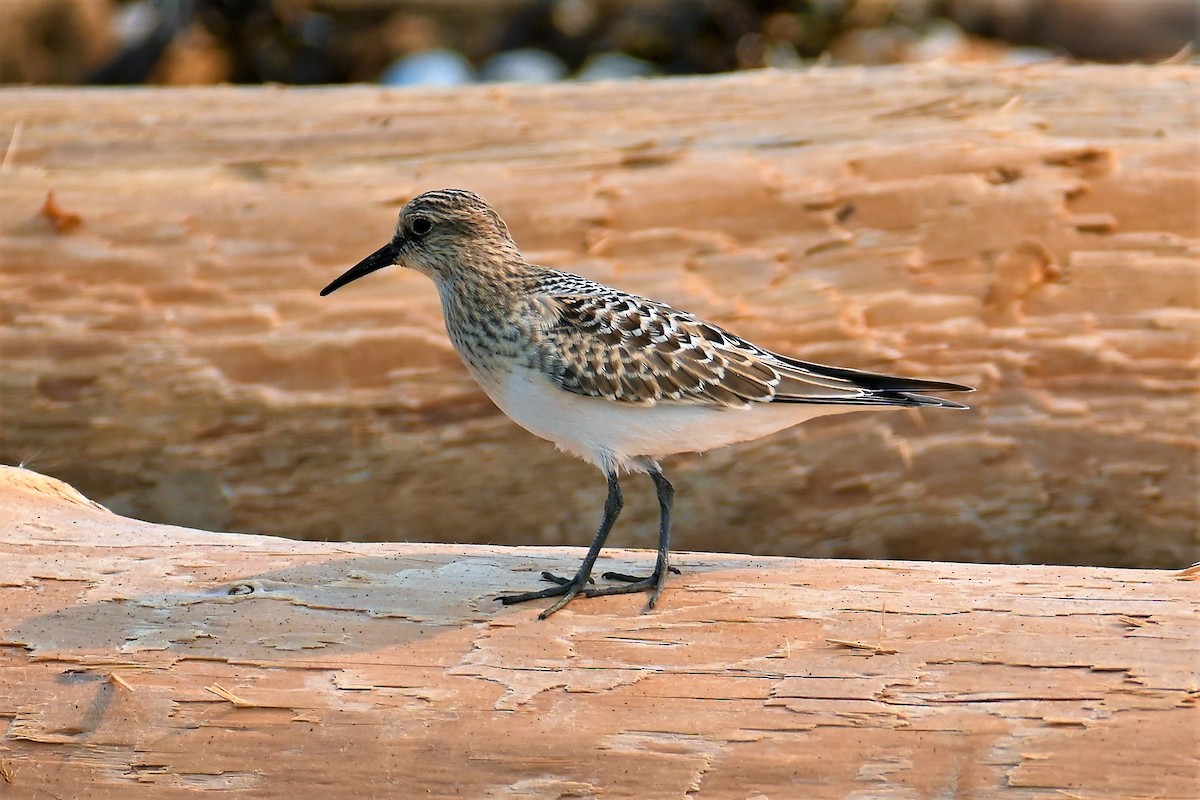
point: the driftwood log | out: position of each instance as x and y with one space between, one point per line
1033 232
176 662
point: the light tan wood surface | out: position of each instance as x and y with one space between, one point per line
1030 231
160 662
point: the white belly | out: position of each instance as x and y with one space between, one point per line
616 435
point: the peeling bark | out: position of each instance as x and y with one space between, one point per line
170 661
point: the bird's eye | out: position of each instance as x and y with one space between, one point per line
420 226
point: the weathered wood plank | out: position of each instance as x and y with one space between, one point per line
174 661
1032 231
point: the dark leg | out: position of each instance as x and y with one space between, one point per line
656 580
569 588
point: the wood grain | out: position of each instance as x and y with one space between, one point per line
1033 232
176 662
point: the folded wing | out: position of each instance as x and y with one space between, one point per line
629 349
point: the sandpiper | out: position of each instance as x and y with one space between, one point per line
618 380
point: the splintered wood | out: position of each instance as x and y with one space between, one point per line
166 661
1034 232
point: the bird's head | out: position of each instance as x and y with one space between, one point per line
443 234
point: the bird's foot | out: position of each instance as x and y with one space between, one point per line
561 581
564 588
653 583
621 576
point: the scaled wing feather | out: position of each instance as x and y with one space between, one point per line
600 342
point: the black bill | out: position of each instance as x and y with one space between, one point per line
383 257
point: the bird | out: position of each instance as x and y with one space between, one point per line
621 381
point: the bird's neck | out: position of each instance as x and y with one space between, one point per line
492 292
486 316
